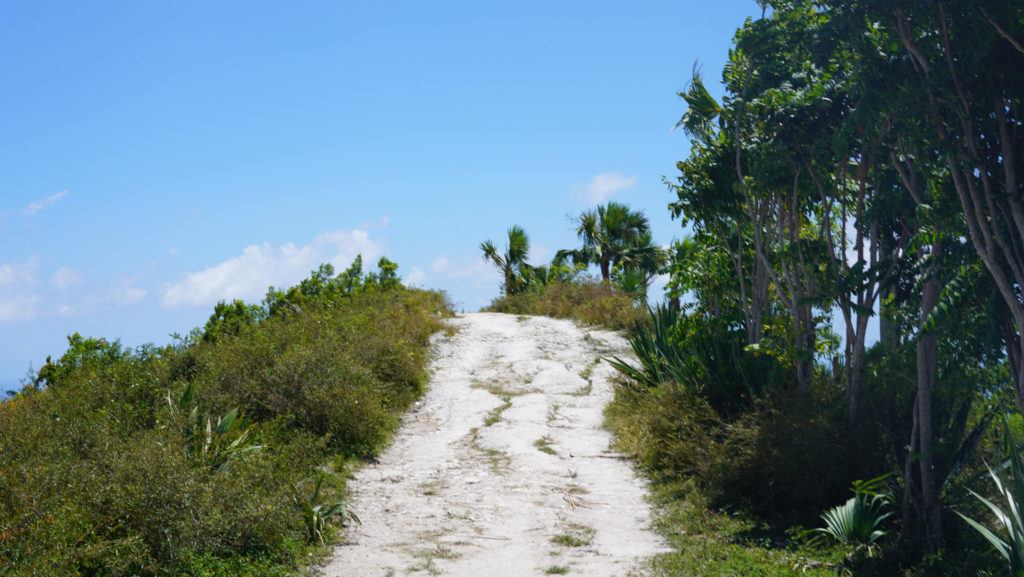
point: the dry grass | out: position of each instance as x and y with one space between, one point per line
589 302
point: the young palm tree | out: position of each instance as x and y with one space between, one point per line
512 263
613 235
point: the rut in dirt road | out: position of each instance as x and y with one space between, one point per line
504 468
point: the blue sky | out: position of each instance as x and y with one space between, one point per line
159 157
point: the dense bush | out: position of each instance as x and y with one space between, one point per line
106 467
588 301
776 457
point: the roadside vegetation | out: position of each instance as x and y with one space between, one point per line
861 170
224 454
615 239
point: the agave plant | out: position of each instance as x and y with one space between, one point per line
859 520
1008 537
317 515
660 360
216 444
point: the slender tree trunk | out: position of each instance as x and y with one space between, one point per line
804 329
908 468
927 373
1014 350
754 328
606 273
888 329
855 374
992 210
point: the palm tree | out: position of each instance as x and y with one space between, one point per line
634 275
512 264
613 235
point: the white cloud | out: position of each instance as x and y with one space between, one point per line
656 292
477 272
603 186
440 264
43 203
120 292
416 277
18 296
539 254
65 277
248 275
130 295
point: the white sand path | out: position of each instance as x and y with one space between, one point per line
504 468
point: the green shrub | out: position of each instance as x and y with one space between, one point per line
706 356
344 371
115 461
858 521
1006 535
670 431
589 301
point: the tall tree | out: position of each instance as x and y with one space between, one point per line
613 235
967 57
512 262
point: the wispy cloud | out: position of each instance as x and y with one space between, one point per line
37 206
119 292
463 273
416 277
248 275
603 186
131 295
18 290
65 277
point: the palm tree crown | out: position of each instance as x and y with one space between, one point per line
614 235
512 263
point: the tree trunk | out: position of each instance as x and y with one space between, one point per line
855 375
606 273
805 338
908 468
927 372
888 328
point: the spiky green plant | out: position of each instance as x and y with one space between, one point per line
1008 536
660 361
216 444
317 515
708 358
858 521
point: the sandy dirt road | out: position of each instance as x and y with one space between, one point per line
504 468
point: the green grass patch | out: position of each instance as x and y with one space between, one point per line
575 536
494 416
705 542
543 445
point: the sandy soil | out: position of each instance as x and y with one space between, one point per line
504 468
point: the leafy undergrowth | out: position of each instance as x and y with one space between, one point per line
223 455
590 302
705 542
674 436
